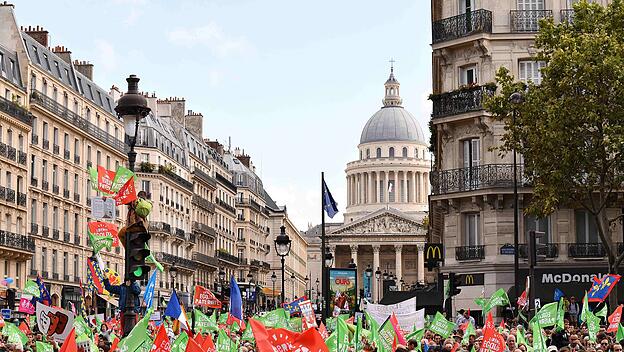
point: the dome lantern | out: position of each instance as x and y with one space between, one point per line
392 97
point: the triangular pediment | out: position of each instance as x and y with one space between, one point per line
383 221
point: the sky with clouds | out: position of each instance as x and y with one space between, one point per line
291 82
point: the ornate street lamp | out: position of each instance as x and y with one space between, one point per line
293 279
378 282
221 280
282 247
308 290
273 279
131 107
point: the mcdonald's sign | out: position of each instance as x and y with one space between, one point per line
471 279
434 252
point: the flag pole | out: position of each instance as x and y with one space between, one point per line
323 269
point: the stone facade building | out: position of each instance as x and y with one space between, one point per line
471 200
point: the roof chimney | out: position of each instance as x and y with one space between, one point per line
63 53
38 34
84 67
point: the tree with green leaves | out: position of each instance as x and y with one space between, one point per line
570 128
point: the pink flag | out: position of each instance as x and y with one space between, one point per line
397 330
25 306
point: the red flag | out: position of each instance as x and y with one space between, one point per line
199 338
523 300
455 346
261 335
232 319
350 321
192 346
127 193
502 324
614 319
208 345
25 328
311 340
105 179
464 326
104 229
161 342
203 297
323 331
394 343
492 341
397 330
114 344
489 322
70 343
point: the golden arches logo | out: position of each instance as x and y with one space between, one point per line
434 252
469 279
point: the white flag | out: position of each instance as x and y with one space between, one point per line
389 187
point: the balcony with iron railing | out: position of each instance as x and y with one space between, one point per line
16 111
76 159
76 197
55 189
66 237
10 195
203 203
463 25
171 259
548 250
474 178
205 177
205 229
463 100
45 231
179 233
77 121
228 257
226 182
21 157
158 226
527 20
46 144
16 241
56 148
66 154
56 234
34 229
34 139
175 177
470 252
226 206
206 259
45 185
21 199
588 250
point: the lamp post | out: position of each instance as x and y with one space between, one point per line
401 284
369 274
282 248
173 272
516 99
248 297
318 293
221 280
273 279
131 107
378 283
293 278
329 262
307 291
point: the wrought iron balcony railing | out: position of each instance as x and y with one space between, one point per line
471 22
205 177
45 231
77 121
77 240
197 226
76 159
171 259
66 154
55 189
15 110
206 259
550 250
461 100
35 139
228 257
470 252
34 229
11 153
56 148
21 157
586 250
34 182
76 197
566 15
10 195
66 193
46 144
179 233
56 234
13 240
175 177
226 206
21 199
474 178
203 203
44 185
527 20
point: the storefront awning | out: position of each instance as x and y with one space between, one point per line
270 293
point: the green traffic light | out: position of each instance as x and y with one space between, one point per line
138 272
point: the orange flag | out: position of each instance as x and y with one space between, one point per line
70 343
208 345
114 344
24 328
199 338
192 346
161 342
614 319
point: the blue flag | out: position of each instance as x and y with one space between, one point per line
293 307
44 296
236 301
149 290
173 307
329 204
558 295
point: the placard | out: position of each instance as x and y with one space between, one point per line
54 323
342 291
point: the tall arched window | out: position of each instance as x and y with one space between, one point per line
367 153
416 153
391 152
379 152
360 155
405 152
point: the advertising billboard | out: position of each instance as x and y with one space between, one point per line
342 291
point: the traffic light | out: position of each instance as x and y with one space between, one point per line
137 239
454 283
537 250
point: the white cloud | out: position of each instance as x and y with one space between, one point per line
211 36
215 77
106 55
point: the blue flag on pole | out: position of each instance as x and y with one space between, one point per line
236 300
329 204
173 307
558 295
149 290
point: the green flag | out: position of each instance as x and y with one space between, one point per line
44 347
277 318
539 341
31 288
179 345
499 298
295 324
372 323
121 177
560 325
470 330
386 336
480 301
417 335
521 340
547 315
213 316
203 322
441 326
15 335
585 308
357 337
602 312
93 176
248 334
222 319
151 260
81 326
99 242
342 335
138 339
619 336
223 342
331 342
593 325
